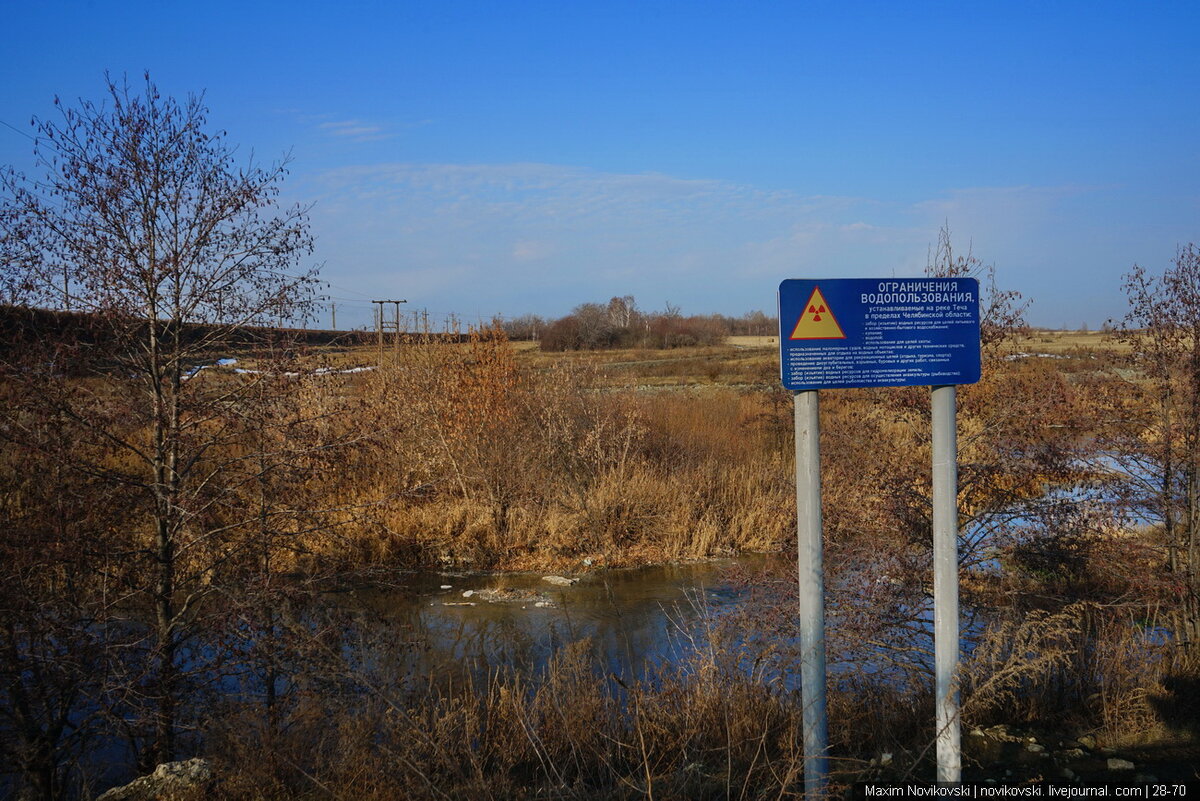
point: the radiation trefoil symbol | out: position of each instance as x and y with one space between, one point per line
817 320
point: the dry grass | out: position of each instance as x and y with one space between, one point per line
715 725
698 730
739 359
1056 342
769 342
479 455
483 455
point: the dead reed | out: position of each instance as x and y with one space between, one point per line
463 457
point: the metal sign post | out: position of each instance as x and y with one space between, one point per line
945 582
810 563
874 332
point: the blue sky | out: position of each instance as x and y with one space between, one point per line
483 158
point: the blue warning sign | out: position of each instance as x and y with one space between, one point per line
878 332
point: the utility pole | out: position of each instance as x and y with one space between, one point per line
393 325
333 311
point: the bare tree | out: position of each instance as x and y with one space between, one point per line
621 311
525 327
1161 454
1001 312
596 329
172 250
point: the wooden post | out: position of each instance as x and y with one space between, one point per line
396 341
379 328
381 324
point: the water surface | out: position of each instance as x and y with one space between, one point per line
633 617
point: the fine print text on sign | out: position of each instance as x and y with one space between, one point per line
878 332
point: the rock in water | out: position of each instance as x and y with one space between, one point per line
559 580
170 781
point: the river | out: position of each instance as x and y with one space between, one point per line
470 623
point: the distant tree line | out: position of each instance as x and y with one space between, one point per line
621 324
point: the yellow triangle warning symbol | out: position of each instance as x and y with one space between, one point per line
817 320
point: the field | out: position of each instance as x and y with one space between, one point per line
1051 341
742 361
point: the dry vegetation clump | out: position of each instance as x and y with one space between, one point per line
1085 668
467 455
723 722
700 729
462 456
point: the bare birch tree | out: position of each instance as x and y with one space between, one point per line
141 219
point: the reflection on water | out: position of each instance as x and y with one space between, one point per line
634 618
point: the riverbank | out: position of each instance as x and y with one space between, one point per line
1028 765
679 682
700 729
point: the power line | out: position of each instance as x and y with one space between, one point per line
348 289
18 130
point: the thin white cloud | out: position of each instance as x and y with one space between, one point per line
531 250
546 192
997 204
354 130
542 237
